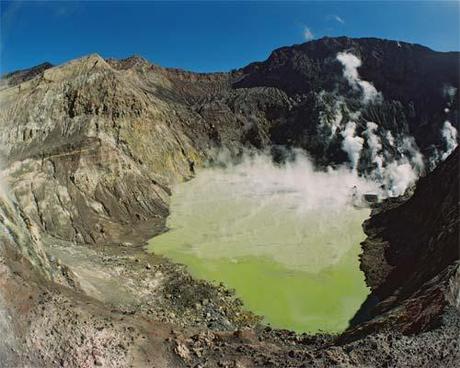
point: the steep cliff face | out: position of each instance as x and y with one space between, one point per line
20 249
411 256
89 152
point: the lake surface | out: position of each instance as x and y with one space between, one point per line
286 239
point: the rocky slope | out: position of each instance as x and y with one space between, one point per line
413 80
411 255
92 148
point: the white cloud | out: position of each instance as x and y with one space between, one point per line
336 18
308 34
339 19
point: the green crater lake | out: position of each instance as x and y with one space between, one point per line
285 238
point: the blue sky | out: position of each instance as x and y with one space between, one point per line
208 36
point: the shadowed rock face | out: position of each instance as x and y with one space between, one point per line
412 78
15 78
92 148
411 255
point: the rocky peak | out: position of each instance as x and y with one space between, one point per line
133 61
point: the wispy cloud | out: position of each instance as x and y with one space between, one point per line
308 34
338 19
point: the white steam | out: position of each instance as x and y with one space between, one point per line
351 64
449 133
375 146
395 169
395 165
308 34
335 124
331 116
373 139
398 176
395 175
449 91
411 150
297 215
314 188
352 144
390 138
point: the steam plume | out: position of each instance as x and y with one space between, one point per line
375 146
351 64
411 150
398 176
449 91
260 202
390 138
308 34
449 134
352 144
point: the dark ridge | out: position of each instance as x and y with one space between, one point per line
20 76
420 244
388 64
411 77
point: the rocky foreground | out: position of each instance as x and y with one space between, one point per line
92 149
